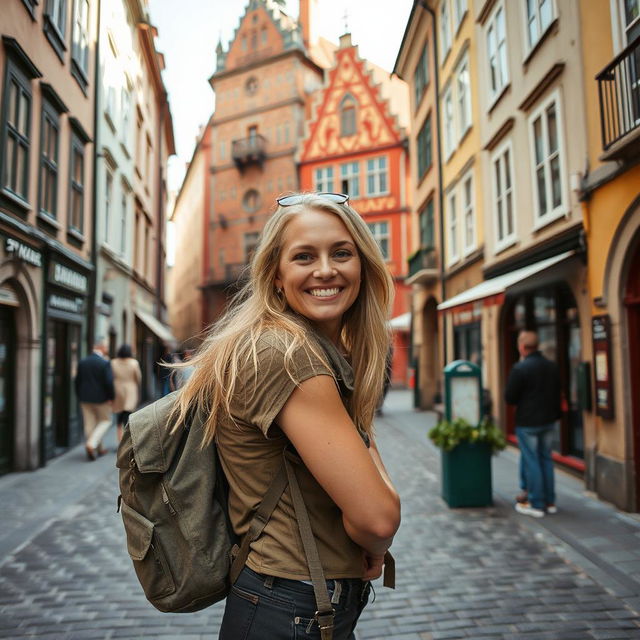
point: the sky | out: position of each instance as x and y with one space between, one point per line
188 33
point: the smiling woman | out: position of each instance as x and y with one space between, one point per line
296 366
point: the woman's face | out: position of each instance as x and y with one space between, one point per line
319 270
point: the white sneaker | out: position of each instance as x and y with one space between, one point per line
526 509
551 508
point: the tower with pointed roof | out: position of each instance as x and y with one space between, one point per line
262 82
356 143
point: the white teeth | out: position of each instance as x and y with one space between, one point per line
324 293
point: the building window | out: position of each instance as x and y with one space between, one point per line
468 214
539 17
76 173
251 201
427 227
17 133
380 231
449 129
125 104
424 148
377 178
421 76
80 48
350 179
55 18
460 9
250 243
347 116
503 197
50 140
264 35
497 52
123 223
324 179
467 343
445 29
452 215
546 144
108 203
463 86
631 11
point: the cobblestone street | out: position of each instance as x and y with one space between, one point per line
461 573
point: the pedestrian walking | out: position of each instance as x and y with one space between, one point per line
534 387
291 364
95 391
127 377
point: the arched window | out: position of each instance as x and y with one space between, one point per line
348 116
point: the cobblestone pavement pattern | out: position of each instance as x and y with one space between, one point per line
463 573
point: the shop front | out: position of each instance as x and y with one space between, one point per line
21 264
65 334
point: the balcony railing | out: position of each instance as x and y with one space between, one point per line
619 92
251 150
423 265
233 273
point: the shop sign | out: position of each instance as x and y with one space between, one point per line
65 277
601 331
62 303
23 252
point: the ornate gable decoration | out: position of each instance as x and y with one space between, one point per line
352 115
263 31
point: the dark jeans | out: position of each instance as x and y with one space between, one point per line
537 463
262 607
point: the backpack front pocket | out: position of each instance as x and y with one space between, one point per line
148 557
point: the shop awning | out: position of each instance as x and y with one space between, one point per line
155 326
401 322
493 290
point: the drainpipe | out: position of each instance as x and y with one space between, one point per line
161 223
93 277
424 4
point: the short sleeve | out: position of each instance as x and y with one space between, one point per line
261 394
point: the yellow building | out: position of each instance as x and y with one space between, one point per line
610 191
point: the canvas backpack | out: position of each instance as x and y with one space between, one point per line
173 502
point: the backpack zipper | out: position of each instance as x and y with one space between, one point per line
165 499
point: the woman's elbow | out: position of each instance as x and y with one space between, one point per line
386 522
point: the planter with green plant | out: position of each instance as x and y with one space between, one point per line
466 460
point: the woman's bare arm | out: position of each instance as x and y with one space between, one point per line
316 422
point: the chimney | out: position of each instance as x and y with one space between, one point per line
306 21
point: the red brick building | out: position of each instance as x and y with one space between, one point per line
356 144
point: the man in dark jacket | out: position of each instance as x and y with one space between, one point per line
534 387
94 387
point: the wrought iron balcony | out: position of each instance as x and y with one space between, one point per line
251 150
619 93
423 266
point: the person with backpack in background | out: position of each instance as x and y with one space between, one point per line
127 378
297 365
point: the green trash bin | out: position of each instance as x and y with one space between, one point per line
466 475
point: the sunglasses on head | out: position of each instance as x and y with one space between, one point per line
297 198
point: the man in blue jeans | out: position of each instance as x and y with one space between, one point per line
534 387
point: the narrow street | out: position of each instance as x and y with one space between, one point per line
461 573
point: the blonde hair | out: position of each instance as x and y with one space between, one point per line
231 341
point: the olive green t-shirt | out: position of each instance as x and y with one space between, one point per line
251 455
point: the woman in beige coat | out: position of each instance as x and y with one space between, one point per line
126 380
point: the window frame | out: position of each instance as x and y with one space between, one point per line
381 231
530 44
377 173
450 138
498 157
124 214
453 249
427 213
55 32
352 177
468 249
76 188
492 22
424 152
446 39
563 208
467 107
421 77
459 12
14 72
50 113
321 180
80 44
348 106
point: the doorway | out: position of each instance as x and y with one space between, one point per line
7 378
